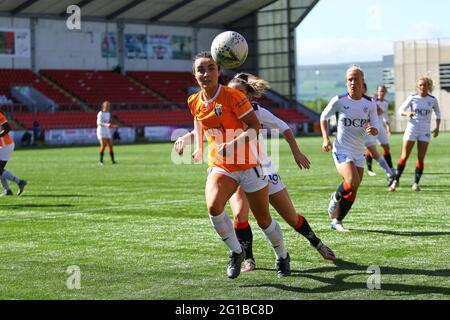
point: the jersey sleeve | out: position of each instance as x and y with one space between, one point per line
99 119
405 105
191 104
330 109
270 120
437 110
240 104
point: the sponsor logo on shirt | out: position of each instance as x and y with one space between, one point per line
356 123
218 110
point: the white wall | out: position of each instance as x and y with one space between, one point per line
60 48
18 63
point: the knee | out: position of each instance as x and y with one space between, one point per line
215 208
264 222
353 183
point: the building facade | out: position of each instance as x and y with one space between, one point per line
414 59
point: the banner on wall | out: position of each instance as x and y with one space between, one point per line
158 47
135 46
109 45
15 43
85 136
181 47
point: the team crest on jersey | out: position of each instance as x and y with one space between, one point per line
218 110
366 109
346 107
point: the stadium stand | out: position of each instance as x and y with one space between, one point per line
57 120
156 117
94 87
290 115
173 86
12 77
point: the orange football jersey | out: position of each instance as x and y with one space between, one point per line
220 119
6 139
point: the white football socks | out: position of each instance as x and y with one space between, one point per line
8 175
275 236
382 162
224 228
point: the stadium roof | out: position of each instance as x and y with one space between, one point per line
212 13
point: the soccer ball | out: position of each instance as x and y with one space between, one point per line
229 49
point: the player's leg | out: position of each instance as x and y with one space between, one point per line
406 152
381 161
282 203
240 208
109 143
102 149
5 154
387 155
369 162
422 147
219 189
257 193
4 181
344 197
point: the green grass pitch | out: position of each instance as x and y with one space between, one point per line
139 230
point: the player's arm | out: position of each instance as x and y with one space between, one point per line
327 113
183 141
5 129
270 120
250 134
198 134
372 127
437 112
403 111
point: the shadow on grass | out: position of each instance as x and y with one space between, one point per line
407 233
54 196
339 284
21 206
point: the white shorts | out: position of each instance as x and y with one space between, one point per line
341 158
103 133
251 180
370 140
413 134
275 183
6 152
383 137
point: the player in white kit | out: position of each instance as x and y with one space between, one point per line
279 198
103 131
418 107
385 162
356 116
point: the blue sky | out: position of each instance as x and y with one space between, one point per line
338 31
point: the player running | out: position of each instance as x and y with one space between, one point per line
230 124
356 115
418 108
6 150
371 141
279 198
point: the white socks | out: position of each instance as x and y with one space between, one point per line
382 162
224 228
4 183
275 237
8 175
